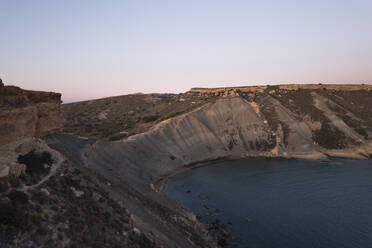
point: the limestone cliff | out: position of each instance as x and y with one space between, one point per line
25 114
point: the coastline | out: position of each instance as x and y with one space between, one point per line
356 153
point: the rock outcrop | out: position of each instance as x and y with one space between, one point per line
25 114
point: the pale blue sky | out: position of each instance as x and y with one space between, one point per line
88 49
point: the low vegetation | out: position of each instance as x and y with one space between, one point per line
171 115
151 118
36 163
115 118
13 213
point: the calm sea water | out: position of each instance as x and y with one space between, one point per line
283 203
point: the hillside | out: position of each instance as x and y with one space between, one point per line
332 116
119 117
48 199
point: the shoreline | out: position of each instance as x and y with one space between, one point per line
159 184
319 156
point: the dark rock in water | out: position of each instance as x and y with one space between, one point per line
222 242
248 219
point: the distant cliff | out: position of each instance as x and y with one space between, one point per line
338 87
25 113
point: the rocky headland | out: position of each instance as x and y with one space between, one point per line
116 150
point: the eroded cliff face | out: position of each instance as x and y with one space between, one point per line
308 123
25 114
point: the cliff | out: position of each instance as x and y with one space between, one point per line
25 114
310 121
292 87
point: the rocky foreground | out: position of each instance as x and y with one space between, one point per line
95 184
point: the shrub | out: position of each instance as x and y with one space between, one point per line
171 114
12 213
118 136
150 118
35 162
12 216
271 87
18 198
142 240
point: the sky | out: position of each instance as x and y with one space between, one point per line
89 49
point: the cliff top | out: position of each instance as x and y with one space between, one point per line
26 113
13 96
261 88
